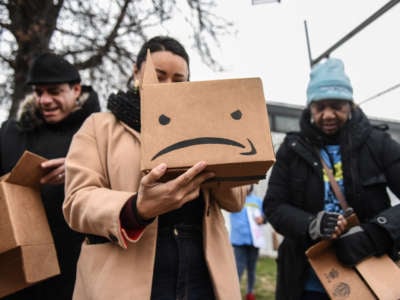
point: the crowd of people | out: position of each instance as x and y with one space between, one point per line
120 234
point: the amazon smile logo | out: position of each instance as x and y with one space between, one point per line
204 141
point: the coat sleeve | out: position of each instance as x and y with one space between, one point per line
391 163
87 207
1 148
285 218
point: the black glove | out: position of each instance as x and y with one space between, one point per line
323 225
361 242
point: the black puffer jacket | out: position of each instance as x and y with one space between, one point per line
30 132
370 162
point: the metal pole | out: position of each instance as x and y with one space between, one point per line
308 43
368 21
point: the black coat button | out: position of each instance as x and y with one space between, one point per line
113 238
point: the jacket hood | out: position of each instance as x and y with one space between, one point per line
29 116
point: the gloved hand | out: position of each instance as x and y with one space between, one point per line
323 225
361 242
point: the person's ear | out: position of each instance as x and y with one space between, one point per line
135 71
136 77
77 88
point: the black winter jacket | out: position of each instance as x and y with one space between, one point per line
30 132
370 162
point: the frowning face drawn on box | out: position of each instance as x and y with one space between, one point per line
206 140
206 120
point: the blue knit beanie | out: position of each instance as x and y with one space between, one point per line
329 81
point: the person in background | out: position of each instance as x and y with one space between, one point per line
246 252
300 202
46 122
146 239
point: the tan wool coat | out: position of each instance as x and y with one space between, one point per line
102 173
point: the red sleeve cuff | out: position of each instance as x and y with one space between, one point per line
129 217
132 235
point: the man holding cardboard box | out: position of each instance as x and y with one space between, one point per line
337 164
47 121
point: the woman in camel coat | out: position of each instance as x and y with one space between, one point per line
131 221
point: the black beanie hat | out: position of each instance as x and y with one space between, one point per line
51 68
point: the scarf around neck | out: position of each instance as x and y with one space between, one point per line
126 107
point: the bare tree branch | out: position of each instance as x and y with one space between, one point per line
99 37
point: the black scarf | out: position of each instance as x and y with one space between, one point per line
126 107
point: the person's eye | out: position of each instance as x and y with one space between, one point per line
337 106
54 92
161 77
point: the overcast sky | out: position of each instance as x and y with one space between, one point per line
270 43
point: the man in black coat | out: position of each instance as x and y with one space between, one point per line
46 122
300 202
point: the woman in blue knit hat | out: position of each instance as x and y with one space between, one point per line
305 206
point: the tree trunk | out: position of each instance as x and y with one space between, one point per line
32 24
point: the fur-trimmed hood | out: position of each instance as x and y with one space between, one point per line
29 116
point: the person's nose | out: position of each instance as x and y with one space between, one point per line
329 113
45 98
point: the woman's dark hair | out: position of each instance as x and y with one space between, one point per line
161 43
251 188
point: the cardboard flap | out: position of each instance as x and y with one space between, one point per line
27 171
24 266
26 216
40 262
340 282
318 248
382 275
149 73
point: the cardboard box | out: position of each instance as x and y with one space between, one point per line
223 122
373 278
27 252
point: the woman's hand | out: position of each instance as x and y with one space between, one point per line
156 198
55 171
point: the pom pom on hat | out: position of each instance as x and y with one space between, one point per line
49 68
328 80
